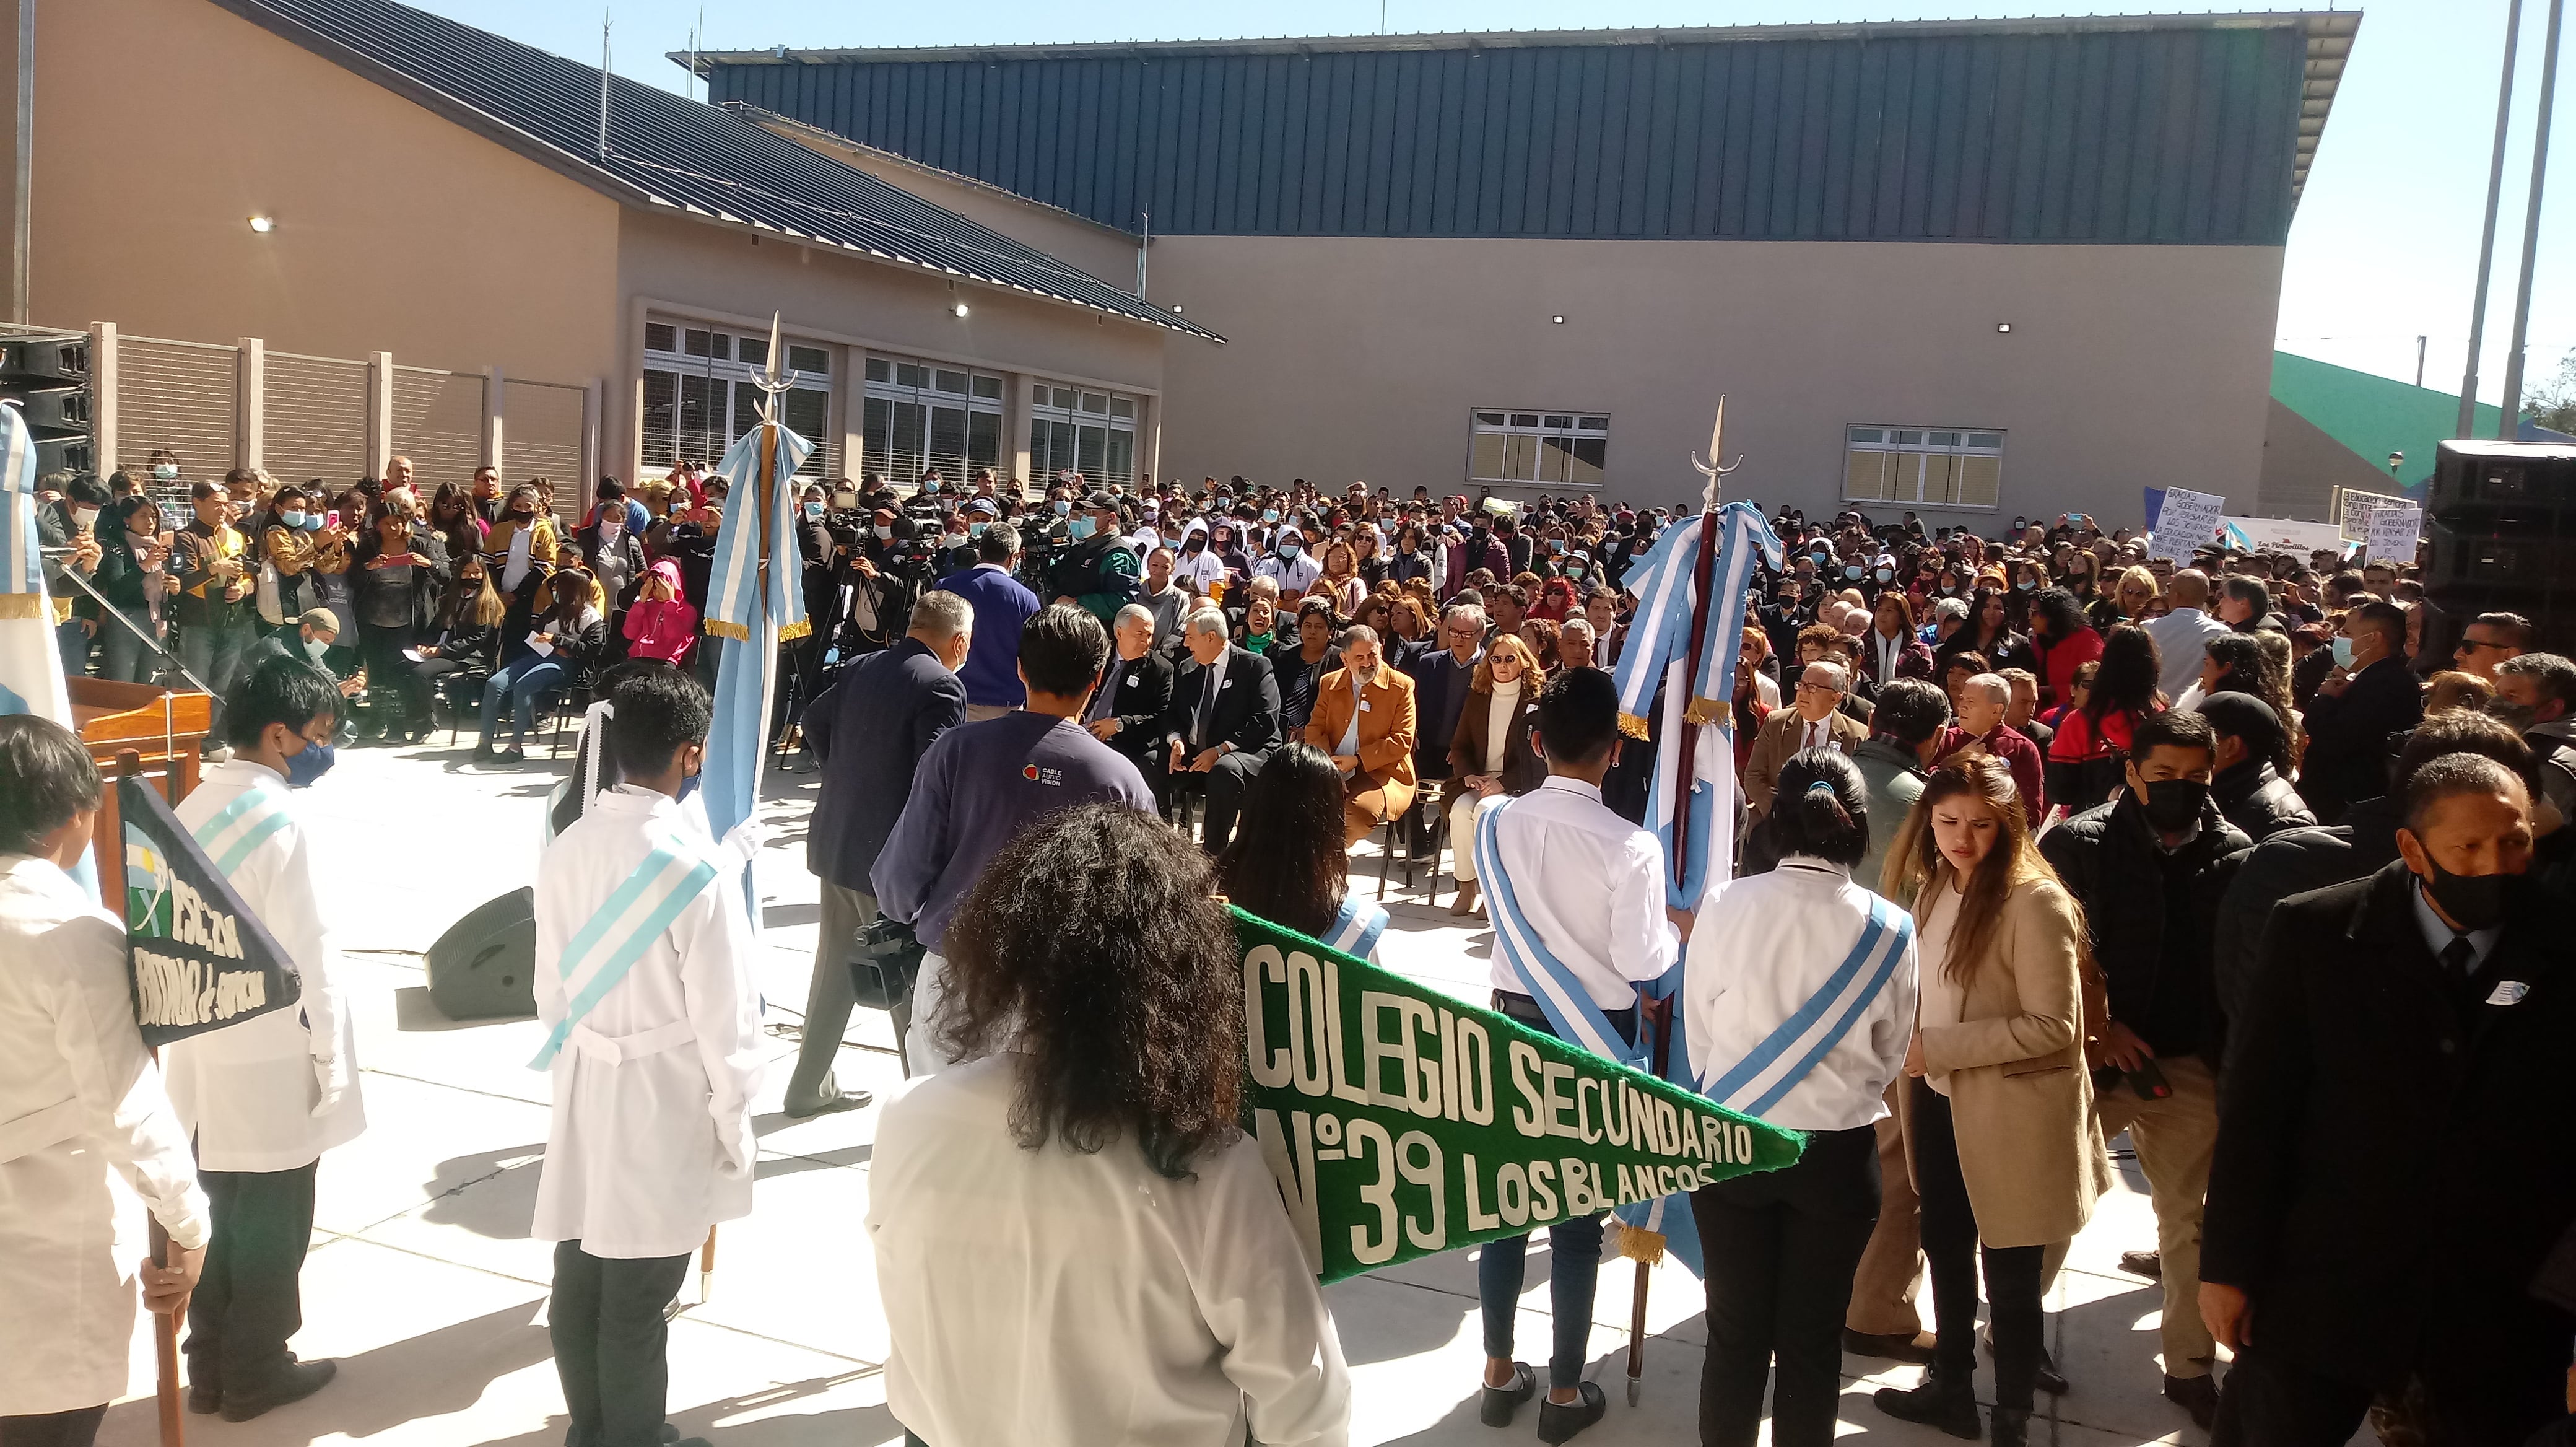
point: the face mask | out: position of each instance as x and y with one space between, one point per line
1574 571
1851 570
883 532
930 487
82 517
2343 653
2025 585
812 510
2476 901
1288 549
1224 503
165 471
1270 514
976 530
1078 529
314 648
1195 546
2172 804
315 761
1886 573
1062 507
293 518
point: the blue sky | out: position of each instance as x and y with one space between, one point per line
2384 249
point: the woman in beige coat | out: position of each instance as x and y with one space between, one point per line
1998 1115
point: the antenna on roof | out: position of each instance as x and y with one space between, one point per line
697 37
603 85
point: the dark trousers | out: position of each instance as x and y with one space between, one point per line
249 1298
76 1428
1781 1248
2013 1273
609 1338
2467 1398
400 697
1227 778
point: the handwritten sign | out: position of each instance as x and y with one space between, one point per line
2188 520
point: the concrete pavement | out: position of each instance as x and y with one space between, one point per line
424 1284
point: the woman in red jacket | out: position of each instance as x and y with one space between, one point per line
2061 641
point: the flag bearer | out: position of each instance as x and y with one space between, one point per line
265 1097
643 978
1576 894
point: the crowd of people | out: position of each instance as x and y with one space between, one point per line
2221 854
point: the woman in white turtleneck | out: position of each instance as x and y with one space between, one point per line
1490 758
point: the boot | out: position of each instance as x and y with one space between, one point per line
2011 1427
1947 1403
1465 903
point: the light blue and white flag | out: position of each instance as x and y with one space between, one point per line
753 608
31 663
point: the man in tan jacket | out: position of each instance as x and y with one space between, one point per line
1364 718
1813 719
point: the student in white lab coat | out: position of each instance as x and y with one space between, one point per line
266 1097
654 1044
80 1103
1075 1241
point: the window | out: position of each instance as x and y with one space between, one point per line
699 396
921 415
1923 466
1093 433
1562 449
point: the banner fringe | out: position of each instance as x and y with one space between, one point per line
1633 725
17 607
1706 711
790 632
733 631
1637 1243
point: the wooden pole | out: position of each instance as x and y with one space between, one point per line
707 1265
165 1326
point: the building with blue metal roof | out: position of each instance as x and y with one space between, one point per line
1969 267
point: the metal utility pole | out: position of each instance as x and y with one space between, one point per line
2486 239
2509 420
23 227
2419 361
603 85
1144 244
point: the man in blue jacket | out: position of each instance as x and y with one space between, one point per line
1003 606
870 730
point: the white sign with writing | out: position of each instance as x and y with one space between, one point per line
2394 528
2188 520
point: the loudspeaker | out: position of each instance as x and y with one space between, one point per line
2472 480
484 966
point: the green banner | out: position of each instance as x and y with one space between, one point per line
1401 1122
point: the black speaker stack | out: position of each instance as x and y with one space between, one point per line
2501 517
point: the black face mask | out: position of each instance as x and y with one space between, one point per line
2173 805
2474 901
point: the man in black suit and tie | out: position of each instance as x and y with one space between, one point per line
1441 677
2395 1158
1223 722
870 730
1134 692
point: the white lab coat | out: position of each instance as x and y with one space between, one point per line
247 1091
81 1107
651 1142
1075 1298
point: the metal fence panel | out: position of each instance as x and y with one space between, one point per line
541 437
315 426
181 397
438 424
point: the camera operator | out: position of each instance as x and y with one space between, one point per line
1100 571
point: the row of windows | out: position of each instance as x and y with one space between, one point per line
1912 466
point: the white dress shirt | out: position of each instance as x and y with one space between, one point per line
1762 947
1078 1298
2180 638
1591 887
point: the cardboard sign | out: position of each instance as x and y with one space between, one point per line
2188 520
2394 531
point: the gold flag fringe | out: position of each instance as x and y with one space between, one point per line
1637 1243
734 631
790 632
1633 725
1706 711
17 606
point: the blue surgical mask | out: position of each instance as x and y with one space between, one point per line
930 487
1224 503
293 518
1062 507
311 764
1884 574
314 648
165 471
1078 529
1851 570
2343 653
1270 514
814 510
2025 585
1288 548
976 530
312 522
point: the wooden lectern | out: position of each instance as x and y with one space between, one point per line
161 727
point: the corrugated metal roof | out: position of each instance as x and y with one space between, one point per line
667 151
2151 129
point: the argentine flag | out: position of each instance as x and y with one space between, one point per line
31 665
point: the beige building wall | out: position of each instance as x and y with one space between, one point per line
2127 366
2302 467
162 126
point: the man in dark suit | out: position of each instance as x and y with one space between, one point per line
1441 677
1223 723
2394 1161
870 730
2369 696
1135 691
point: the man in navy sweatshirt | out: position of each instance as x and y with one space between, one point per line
1003 606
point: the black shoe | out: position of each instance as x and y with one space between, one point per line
2149 1264
1898 1346
1500 1402
2011 1427
1558 1423
297 1381
1938 1402
671 1434
204 1398
2196 1395
838 1099
513 755
2045 1376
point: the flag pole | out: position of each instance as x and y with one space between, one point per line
165 1325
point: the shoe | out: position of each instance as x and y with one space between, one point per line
295 1382
1558 1423
2046 1377
513 755
2149 1264
1899 1346
2009 1427
1500 1402
2196 1395
205 1399
838 1100
1465 903
1939 1402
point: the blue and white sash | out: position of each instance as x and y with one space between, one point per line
1789 1053
230 834
1561 997
601 952
1356 928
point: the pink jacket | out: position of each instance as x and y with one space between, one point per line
663 630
